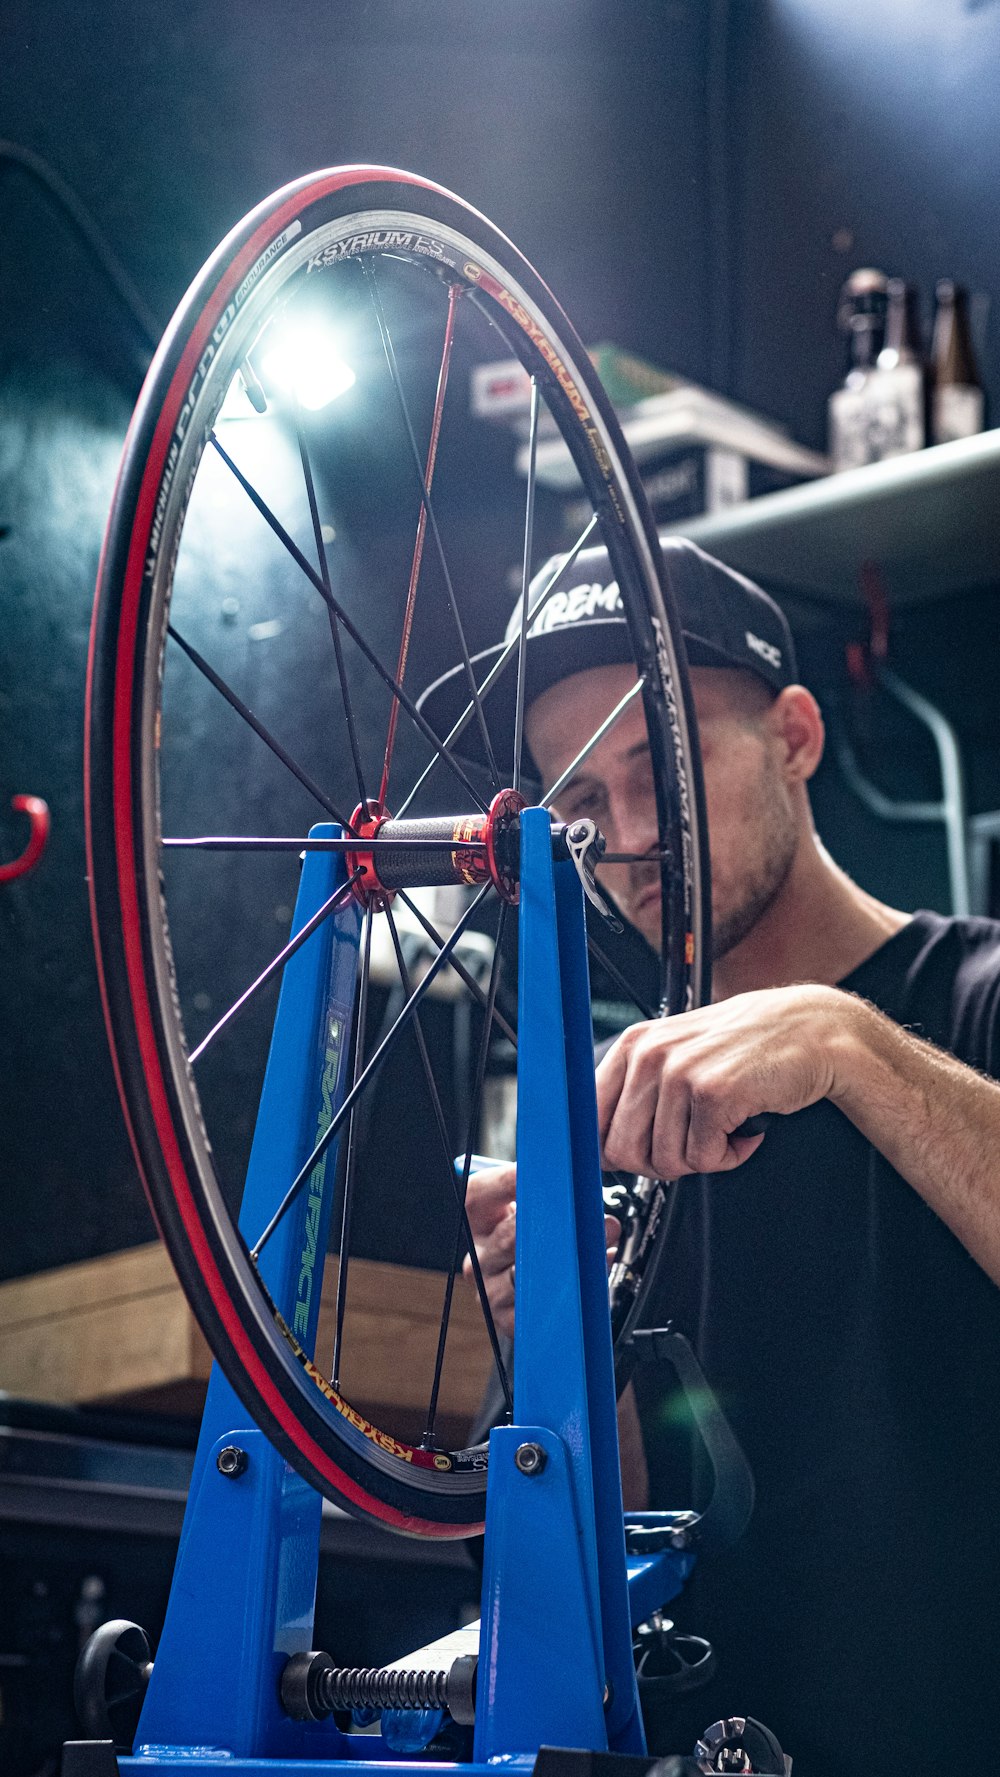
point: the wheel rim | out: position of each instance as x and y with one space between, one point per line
318 232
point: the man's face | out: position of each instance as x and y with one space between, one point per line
752 822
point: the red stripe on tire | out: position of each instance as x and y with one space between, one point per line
124 845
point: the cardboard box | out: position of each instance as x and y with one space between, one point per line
117 1331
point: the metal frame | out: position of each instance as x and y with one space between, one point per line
560 1596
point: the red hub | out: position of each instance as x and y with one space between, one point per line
368 818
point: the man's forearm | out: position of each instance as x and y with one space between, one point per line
673 1095
935 1120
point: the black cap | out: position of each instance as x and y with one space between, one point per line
725 618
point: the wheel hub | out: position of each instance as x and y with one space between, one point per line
467 848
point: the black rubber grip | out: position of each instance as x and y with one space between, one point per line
409 868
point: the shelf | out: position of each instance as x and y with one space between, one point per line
79 1480
930 521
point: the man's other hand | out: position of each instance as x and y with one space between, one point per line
672 1093
492 1219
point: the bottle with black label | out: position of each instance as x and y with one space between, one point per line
898 389
861 315
957 401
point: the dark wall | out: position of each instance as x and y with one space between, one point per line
581 131
859 135
869 134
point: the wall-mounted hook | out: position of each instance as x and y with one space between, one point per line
37 812
864 658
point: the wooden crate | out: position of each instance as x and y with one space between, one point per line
117 1331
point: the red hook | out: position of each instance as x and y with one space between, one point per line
37 812
863 657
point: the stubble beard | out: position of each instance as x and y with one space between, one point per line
758 891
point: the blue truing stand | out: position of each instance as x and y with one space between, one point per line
653 1580
560 1598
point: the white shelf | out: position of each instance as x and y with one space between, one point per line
930 522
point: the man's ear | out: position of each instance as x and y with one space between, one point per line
795 722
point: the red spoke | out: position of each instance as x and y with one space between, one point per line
418 547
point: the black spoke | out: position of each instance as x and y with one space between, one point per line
658 855
460 1232
329 906
270 518
601 956
254 722
334 1126
522 648
427 506
461 971
350 1168
324 568
499 666
446 1151
585 751
349 842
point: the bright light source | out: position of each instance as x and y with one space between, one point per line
305 362
237 404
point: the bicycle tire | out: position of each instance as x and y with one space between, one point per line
320 220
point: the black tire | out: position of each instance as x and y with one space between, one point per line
330 216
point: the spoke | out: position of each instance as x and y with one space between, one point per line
336 900
446 1150
657 855
427 507
477 1099
601 956
258 727
459 967
239 842
348 1202
336 1123
337 608
418 547
598 735
529 527
500 665
324 568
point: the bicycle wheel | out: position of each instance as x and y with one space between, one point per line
225 582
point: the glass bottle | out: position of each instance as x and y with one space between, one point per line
899 387
861 315
957 400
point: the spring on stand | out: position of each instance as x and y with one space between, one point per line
312 1687
374 1687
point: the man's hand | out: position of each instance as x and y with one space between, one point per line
491 1208
671 1093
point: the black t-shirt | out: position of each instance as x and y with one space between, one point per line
855 1346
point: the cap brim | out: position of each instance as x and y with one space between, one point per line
549 658
749 630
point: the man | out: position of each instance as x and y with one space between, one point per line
841 1283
